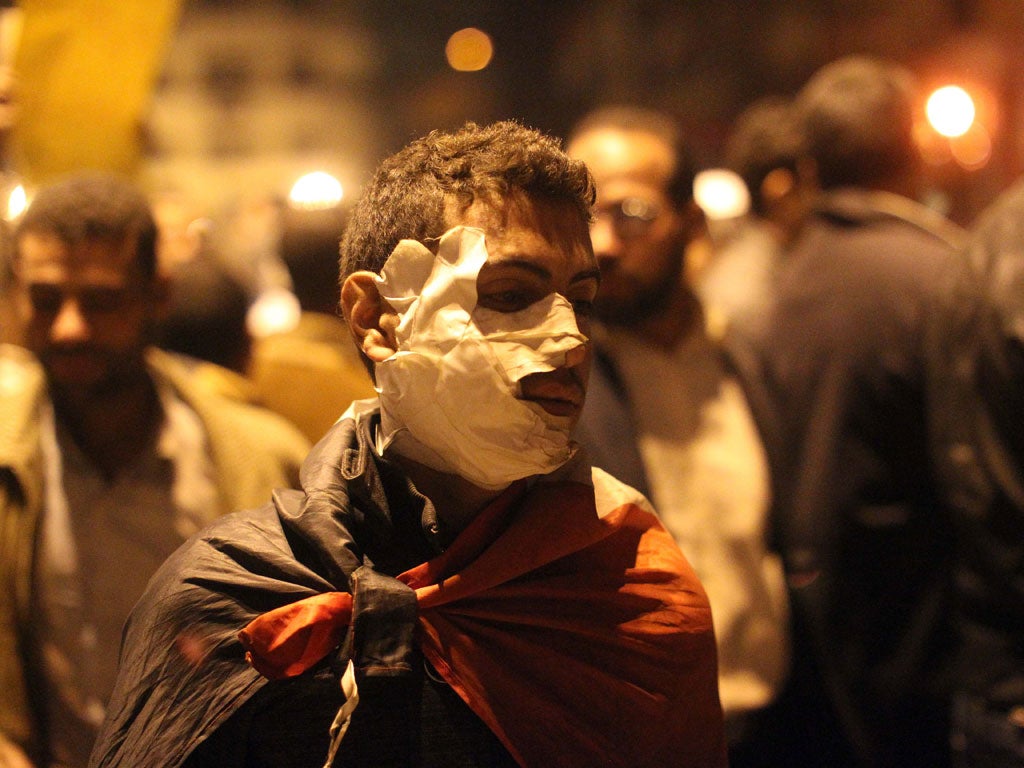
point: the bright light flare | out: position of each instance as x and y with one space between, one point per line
721 194
973 149
17 202
469 50
950 111
316 191
274 311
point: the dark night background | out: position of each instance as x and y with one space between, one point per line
376 71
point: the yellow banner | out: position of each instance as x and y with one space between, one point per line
85 72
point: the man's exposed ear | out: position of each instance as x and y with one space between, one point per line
807 174
159 293
695 223
697 251
372 320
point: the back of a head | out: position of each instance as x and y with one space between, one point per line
764 139
857 119
95 205
308 247
206 316
629 119
415 193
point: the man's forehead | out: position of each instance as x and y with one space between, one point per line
548 217
46 250
521 229
615 153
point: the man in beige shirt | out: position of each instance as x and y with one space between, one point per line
111 455
665 413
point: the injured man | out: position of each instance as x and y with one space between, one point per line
454 584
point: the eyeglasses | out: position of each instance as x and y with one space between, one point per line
631 217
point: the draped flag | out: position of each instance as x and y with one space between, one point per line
570 635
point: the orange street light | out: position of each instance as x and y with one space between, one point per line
950 111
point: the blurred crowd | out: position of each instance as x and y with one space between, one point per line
820 396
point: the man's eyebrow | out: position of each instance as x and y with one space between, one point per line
587 274
592 273
523 263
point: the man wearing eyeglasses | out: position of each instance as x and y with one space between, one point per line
663 413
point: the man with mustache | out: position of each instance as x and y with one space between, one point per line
666 411
110 457
453 585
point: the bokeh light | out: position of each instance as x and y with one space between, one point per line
721 194
972 149
316 191
469 50
17 202
950 110
276 310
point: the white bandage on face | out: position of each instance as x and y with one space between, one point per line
449 394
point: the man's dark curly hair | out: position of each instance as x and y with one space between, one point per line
412 193
94 205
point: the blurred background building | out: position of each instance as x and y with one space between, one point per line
245 97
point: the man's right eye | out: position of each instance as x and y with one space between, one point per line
99 300
583 307
45 300
507 301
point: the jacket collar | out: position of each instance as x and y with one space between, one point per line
23 394
350 490
860 206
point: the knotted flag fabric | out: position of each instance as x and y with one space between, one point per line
575 629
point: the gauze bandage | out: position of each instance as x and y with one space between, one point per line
449 394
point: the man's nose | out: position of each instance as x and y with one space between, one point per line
606 243
576 355
69 324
